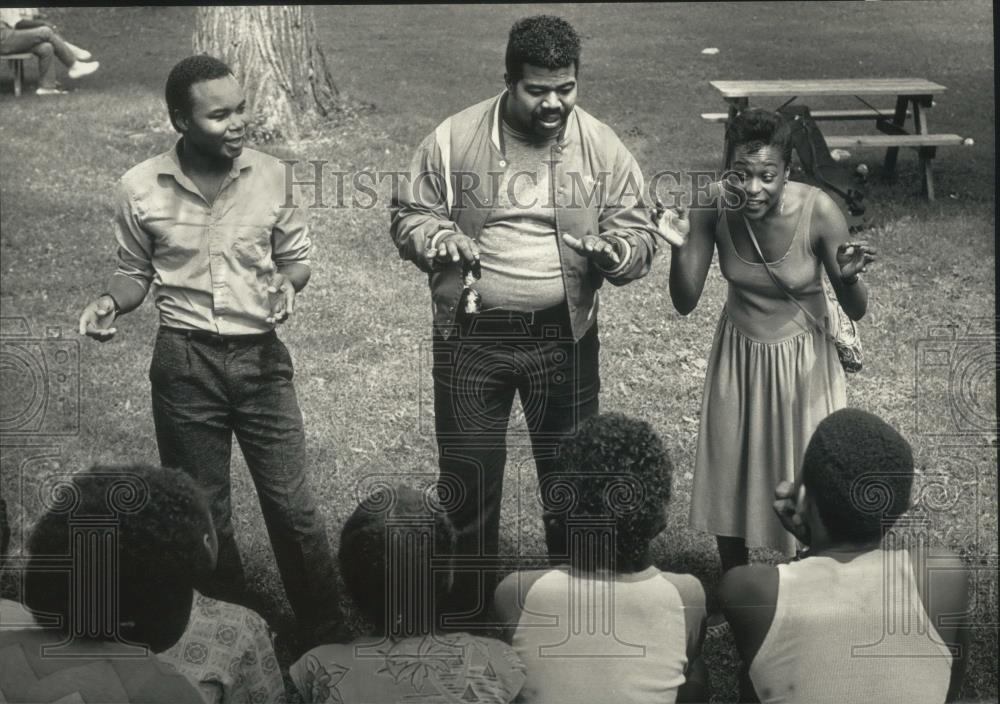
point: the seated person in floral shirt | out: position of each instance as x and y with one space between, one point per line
395 557
227 651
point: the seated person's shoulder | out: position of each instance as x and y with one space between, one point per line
310 672
206 607
512 593
944 585
689 587
155 681
515 586
749 585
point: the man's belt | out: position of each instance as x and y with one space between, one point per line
212 338
556 314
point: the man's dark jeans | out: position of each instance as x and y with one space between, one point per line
476 373
206 388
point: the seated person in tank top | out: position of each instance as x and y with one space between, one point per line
609 626
854 619
396 552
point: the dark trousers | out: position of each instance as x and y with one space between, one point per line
476 373
208 388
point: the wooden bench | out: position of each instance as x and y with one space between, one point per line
859 114
884 141
914 98
17 63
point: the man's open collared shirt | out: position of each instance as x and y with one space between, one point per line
209 264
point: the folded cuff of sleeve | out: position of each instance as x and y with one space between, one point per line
438 235
624 251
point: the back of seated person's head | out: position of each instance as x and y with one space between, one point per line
153 549
858 471
395 552
617 471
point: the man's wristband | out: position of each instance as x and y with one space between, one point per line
118 309
850 281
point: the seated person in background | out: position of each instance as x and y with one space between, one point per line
815 630
11 612
138 555
610 626
30 18
395 554
225 650
43 41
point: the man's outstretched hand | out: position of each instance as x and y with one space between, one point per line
283 299
453 248
97 319
595 248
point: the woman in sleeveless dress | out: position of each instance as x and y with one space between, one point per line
773 373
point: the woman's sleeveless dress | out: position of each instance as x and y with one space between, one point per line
772 377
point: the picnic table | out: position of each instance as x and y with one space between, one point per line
913 97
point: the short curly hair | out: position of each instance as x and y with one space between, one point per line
158 519
859 472
388 518
755 128
544 41
187 72
615 469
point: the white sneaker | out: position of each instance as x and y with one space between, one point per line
50 91
80 54
79 69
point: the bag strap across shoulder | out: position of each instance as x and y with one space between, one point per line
781 286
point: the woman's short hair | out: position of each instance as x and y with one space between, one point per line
395 553
859 472
756 128
614 469
150 548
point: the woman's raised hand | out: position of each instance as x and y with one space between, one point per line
673 223
854 258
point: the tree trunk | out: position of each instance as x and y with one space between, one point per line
272 49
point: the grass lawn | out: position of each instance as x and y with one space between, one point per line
359 337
